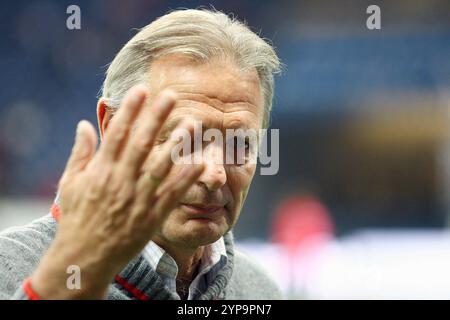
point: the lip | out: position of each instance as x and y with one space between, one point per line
201 210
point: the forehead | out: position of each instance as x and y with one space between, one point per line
217 93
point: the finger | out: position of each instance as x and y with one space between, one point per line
170 192
83 149
159 166
141 142
119 127
159 162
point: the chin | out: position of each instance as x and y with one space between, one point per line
205 232
195 232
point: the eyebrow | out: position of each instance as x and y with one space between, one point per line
239 125
172 123
169 126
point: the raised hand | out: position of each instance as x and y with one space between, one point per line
111 204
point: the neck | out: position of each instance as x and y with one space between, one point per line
186 258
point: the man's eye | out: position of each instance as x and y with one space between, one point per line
241 150
239 142
247 144
242 143
160 140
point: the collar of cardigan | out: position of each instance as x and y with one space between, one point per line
139 281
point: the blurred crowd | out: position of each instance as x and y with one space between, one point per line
336 71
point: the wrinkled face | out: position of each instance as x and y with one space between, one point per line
220 96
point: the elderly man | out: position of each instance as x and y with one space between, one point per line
129 223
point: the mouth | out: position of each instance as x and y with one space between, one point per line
202 211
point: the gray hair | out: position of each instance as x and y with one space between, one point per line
198 33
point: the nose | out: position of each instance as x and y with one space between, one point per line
214 176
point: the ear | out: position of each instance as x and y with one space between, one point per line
103 116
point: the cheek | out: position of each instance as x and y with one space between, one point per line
155 152
239 180
174 172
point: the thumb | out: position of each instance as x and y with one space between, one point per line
83 150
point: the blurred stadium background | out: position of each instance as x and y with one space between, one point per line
361 205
